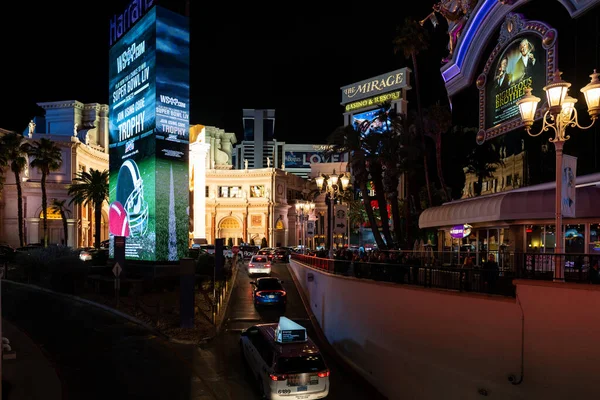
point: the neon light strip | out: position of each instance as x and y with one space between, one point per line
467 38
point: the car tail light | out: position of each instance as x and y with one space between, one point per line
259 294
251 265
278 377
323 374
281 292
268 265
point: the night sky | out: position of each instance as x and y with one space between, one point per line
291 60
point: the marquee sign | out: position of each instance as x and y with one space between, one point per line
378 85
525 56
460 231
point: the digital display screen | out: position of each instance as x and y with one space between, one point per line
370 122
149 125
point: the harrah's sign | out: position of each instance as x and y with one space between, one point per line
120 24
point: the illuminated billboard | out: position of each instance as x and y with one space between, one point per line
370 122
524 58
303 159
149 125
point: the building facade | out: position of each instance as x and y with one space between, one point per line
81 132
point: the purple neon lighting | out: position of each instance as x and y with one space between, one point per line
455 68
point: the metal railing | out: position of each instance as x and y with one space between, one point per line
432 270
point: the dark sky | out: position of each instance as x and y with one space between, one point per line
291 60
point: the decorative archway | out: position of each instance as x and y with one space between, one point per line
55 227
280 232
230 228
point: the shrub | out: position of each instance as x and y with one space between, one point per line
35 262
68 274
263 242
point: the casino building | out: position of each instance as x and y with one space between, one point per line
515 210
81 131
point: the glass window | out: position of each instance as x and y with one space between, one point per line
223 191
549 239
230 191
509 180
290 365
534 237
206 192
257 191
575 239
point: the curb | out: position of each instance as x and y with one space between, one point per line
329 347
92 303
226 301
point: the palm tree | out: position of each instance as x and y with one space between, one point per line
437 122
15 150
483 161
91 188
47 158
3 164
347 139
411 39
58 206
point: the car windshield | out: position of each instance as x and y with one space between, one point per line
268 284
259 259
303 364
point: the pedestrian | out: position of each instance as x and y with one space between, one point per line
491 272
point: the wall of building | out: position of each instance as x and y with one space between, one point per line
417 343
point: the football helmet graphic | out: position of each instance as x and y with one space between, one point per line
130 193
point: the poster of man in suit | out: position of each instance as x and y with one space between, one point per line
519 66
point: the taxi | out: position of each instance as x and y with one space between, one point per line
286 363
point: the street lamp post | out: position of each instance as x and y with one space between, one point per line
560 115
333 185
303 209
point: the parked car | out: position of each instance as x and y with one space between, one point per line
259 265
268 291
287 363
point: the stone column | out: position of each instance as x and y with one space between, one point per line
245 227
198 152
267 229
214 226
72 229
33 230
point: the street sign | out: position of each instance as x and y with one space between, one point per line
117 270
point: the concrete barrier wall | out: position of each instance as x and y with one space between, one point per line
417 343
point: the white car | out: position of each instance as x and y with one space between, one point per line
259 265
286 362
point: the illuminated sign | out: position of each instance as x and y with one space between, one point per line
460 231
303 159
373 101
524 57
288 331
120 24
378 85
149 135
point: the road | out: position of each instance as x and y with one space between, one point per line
219 362
100 355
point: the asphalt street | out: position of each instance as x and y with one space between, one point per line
219 361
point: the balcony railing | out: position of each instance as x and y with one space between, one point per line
442 269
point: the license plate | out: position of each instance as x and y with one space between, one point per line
302 389
271 296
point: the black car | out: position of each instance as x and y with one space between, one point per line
281 255
268 252
247 251
7 253
269 291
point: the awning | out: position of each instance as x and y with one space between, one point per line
508 206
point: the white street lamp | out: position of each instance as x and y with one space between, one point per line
561 114
303 210
333 185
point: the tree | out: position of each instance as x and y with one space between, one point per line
347 139
91 188
483 161
263 242
47 158
438 120
15 150
59 206
411 39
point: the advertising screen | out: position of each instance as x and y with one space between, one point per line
303 159
148 124
369 122
522 64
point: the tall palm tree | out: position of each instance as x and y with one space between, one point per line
483 161
91 188
47 157
347 139
3 164
411 39
438 120
15 150
59 206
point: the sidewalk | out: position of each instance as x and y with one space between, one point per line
30 376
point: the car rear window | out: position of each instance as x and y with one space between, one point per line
302 364
268 284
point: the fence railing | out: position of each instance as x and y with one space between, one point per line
430 270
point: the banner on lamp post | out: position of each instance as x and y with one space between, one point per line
569 176
310 229
340 219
